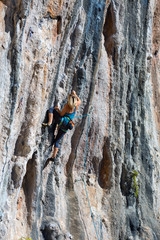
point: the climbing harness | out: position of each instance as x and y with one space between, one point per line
70 124
67 126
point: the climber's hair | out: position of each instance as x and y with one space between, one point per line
72 101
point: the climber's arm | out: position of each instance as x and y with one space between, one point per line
78 99
64 110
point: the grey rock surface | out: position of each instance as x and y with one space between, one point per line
104 183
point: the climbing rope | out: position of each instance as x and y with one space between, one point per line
84 180
76 117
85 161
81 116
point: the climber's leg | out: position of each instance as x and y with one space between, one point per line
56 142
50 116
50 120
55 152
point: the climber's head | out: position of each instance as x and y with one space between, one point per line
72 101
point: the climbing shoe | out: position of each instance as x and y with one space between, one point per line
51 159
46 125
47 162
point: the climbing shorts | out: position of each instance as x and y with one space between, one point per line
56 116
51 110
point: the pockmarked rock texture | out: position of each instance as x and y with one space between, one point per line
104 183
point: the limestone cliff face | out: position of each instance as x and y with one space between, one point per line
104 183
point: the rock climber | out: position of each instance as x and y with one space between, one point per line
63 119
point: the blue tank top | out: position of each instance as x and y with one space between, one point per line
67 117
71 115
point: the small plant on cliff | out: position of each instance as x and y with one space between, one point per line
135 184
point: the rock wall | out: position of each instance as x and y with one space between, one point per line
104 183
